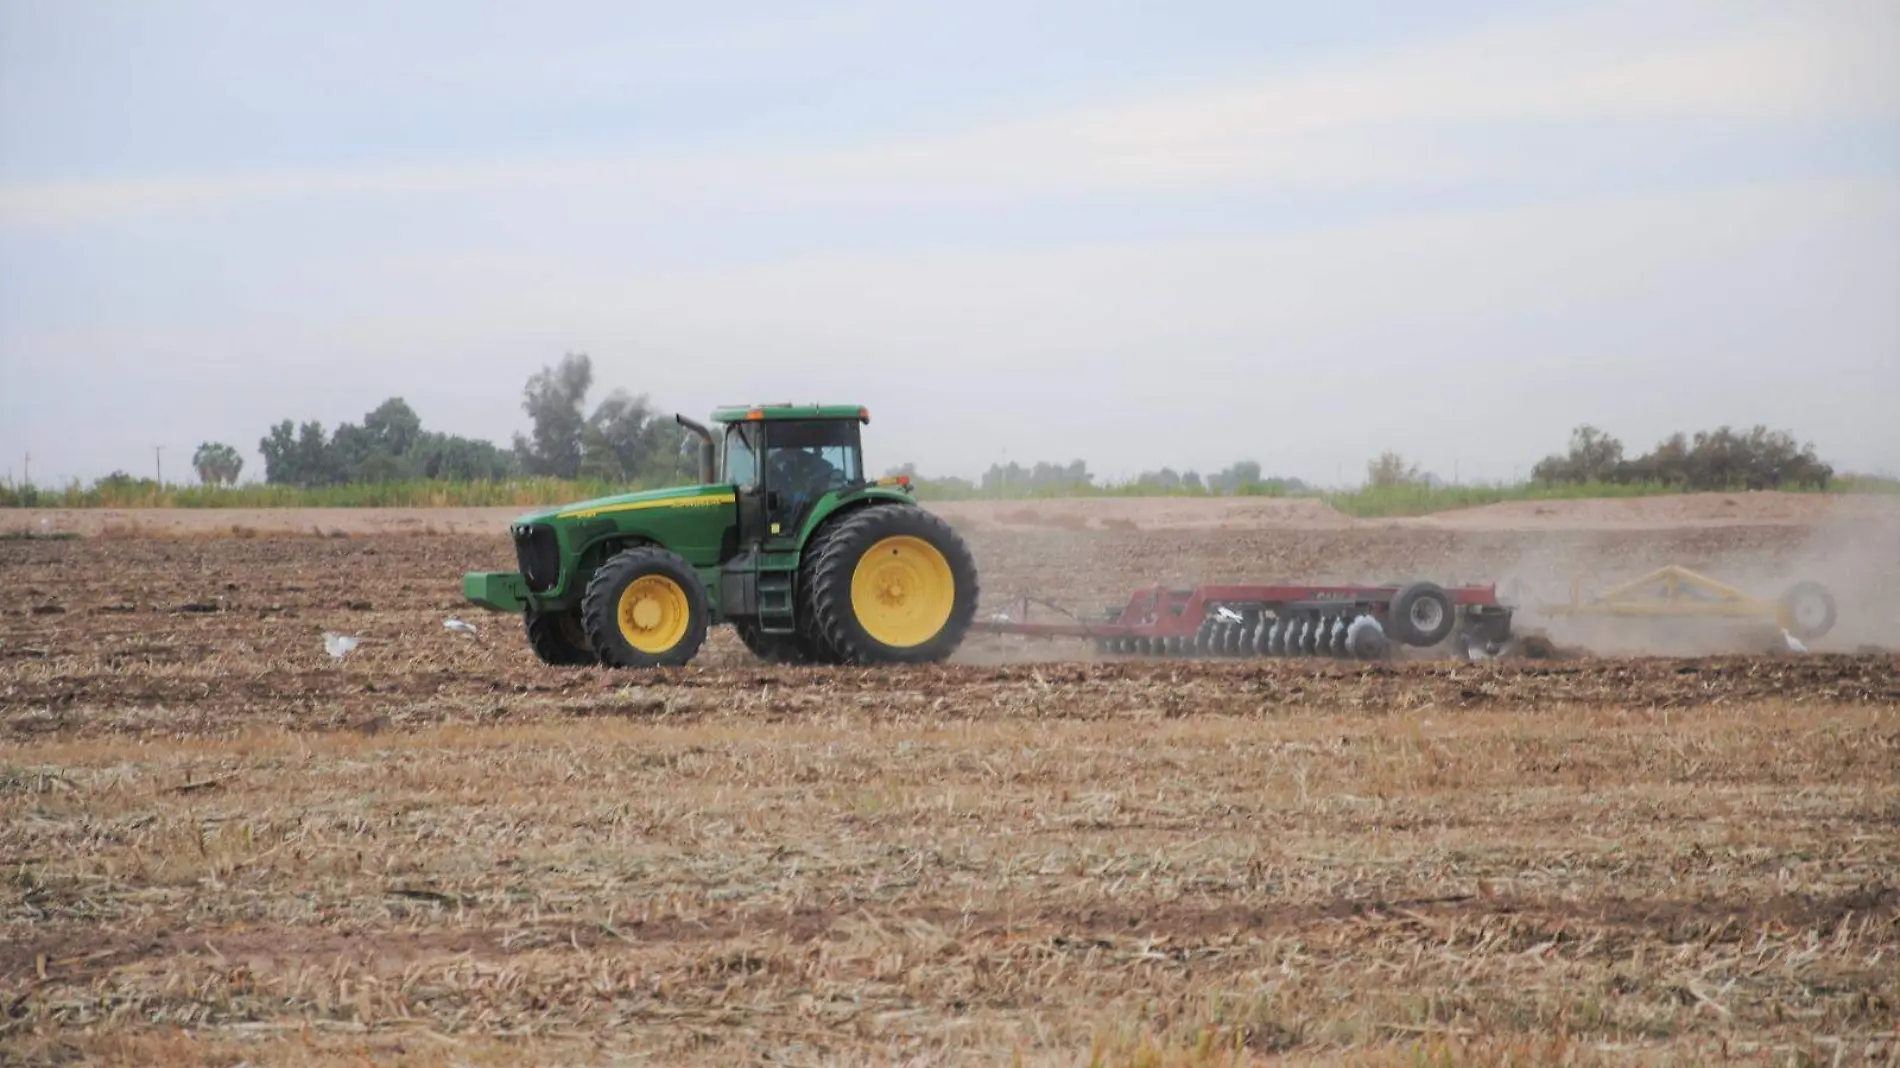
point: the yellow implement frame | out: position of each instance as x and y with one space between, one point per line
1672 592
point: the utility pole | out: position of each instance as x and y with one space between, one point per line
158 459
26 474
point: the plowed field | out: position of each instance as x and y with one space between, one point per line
223 846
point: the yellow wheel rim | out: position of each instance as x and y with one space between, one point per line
654 613
902 591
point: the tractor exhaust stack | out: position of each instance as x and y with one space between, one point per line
707 466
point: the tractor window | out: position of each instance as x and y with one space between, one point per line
813 457
742 459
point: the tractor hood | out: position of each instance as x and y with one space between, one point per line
709 495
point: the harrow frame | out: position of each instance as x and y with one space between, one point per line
1236 619
1806 610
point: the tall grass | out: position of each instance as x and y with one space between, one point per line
517 493
1379 502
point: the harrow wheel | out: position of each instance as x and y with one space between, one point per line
1807 610
1422 614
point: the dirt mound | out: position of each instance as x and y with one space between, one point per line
1685 510
1147 513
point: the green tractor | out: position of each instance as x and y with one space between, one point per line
784 538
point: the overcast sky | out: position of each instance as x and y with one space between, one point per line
1136 234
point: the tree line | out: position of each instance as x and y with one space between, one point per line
1046 479
620 439
623 438
1719 459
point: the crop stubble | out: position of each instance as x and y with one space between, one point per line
222 845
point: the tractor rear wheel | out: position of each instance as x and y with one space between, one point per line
645 608
889 583
775 648
557 638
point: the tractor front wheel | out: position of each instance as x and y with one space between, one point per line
645 608
557 638
888 584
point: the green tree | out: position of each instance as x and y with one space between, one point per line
1593 457
447 456
393 427
1389 470
316 462
279 447
1166 480
553 399
618 441
1236 479
1045 477
217 463
298 455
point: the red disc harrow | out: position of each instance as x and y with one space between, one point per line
1357 622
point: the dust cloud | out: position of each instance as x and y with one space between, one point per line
1087 556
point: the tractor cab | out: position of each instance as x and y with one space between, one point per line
781 460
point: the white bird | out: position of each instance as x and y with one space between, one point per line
338 645
456 624
1227 614
1794 643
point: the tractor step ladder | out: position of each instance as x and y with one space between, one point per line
777 611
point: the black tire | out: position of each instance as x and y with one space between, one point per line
1421 615
1807 610
558 639
600 608
774 648
832 557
